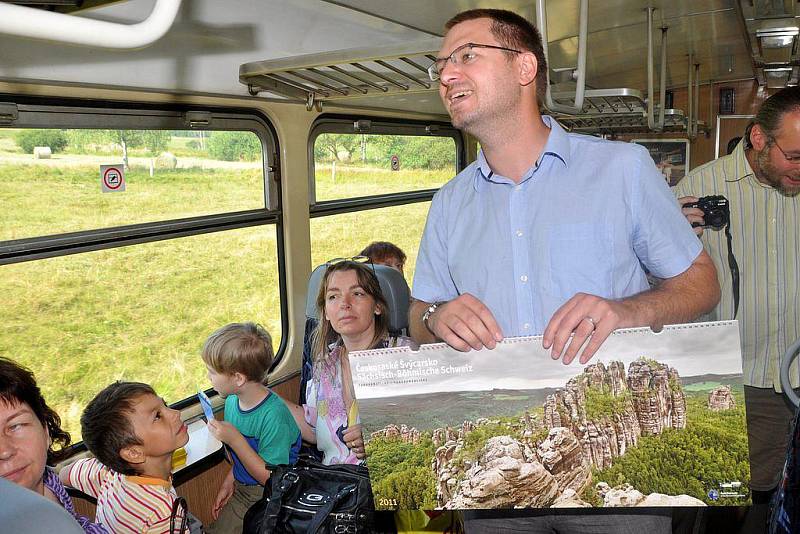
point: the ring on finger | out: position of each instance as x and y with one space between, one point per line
594 323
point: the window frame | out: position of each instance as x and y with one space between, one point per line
64 113
348 124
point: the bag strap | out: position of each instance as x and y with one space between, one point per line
177 504
322 514
273 508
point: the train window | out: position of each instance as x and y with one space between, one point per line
345 234
372 181
53 177
127 285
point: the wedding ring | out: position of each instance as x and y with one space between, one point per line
591 321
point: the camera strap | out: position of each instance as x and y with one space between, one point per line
734 270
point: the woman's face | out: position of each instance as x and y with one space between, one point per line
24 442
349 308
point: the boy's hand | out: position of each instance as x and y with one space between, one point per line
224 431
224 495
354 439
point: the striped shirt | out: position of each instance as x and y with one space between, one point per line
765 226
126 504
52 482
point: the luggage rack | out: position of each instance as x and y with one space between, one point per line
617 123
343 74
614 111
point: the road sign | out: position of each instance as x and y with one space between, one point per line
112 178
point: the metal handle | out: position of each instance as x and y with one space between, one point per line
580 71
786 363
651 122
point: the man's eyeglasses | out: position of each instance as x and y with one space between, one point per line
463 55
789 159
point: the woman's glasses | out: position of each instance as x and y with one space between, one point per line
353 259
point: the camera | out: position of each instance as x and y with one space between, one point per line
716 211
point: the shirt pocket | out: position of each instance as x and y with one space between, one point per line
581 259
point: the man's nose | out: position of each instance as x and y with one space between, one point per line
449 72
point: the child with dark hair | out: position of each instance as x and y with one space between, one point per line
385 253
258 428
132 434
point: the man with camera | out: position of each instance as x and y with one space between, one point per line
752 194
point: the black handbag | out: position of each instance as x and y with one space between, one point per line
310 497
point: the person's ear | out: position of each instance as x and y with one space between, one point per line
758 138
528 68
133 454
378 309
239 379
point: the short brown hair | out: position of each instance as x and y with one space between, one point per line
17 386
106 427
244 348
512 31
381 250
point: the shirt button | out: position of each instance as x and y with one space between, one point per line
526 326
524 278
519 233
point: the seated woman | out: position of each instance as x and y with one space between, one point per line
28 430
352 316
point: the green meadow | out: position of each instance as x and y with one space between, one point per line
142 312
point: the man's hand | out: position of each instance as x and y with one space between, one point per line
223 496
693 215
354 439
587 317
224 431
465 322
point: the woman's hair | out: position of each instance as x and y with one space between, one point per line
324 334
17 386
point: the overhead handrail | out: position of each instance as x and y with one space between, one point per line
651 122
786 363
38 24
580 72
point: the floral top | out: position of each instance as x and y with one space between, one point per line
325 409
53 483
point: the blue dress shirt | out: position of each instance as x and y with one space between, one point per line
590 216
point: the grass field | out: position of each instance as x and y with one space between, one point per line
142 312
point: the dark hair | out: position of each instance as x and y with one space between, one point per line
106 427
512 31
732 144
240 348
324 334
17 386
771 113
380 250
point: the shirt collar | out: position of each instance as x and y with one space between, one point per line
557 145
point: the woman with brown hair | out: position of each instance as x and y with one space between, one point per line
352 316
29 431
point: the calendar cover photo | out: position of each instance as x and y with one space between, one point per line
654 419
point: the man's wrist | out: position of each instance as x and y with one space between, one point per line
426 317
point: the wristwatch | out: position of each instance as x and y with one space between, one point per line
427 315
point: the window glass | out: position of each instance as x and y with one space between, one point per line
346 234
349 165
50 179
136 313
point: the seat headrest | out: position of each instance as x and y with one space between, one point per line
393 286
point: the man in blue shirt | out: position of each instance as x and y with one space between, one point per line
547 232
